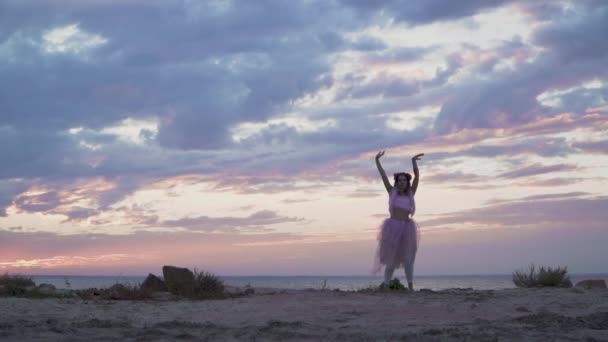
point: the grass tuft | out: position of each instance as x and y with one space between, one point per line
208 286
543 277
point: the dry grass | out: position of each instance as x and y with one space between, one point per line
208 286
16 285
544 277
16 280
116 292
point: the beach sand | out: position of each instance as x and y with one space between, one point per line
546 314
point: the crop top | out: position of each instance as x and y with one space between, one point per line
404 202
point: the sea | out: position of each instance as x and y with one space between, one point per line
344 283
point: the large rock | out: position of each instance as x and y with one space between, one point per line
154 284
592 284
180 281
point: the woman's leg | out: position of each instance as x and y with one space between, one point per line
409 274
388 274
411 247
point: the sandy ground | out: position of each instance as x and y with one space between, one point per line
449 315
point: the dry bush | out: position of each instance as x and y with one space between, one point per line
15 285
116 292
544 277
207 285
16 280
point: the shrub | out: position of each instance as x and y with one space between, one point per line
207 285
395 284
116 292
544 277
16 280
15 285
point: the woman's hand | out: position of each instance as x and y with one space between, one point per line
380 154
416 157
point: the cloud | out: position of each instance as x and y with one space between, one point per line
254 222
577 37
559 196
424 12
383 85
594 147
8 190
508 97
537 169
197 71
451 177
38 203
580 212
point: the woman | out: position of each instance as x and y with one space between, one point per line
398 237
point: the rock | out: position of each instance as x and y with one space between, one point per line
592 284
154 284
117 291
180 281
47 289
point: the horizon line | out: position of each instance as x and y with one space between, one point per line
294 275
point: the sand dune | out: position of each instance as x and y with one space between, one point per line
514 314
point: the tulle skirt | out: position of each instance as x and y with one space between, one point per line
397 244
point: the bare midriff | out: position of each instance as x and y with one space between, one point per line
400 214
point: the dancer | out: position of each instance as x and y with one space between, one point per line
398 237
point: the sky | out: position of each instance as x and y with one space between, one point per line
238 137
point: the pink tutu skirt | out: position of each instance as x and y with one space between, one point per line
397 244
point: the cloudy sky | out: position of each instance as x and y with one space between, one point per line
239 137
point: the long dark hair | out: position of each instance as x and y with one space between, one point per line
408 177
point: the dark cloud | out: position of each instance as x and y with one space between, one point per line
577 37
595 147
38 203
424 12
8 190
199 70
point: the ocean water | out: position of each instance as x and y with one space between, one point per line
345 283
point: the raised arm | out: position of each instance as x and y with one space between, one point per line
416 172
387 185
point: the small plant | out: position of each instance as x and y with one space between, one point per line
544 277
394 284
207 285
